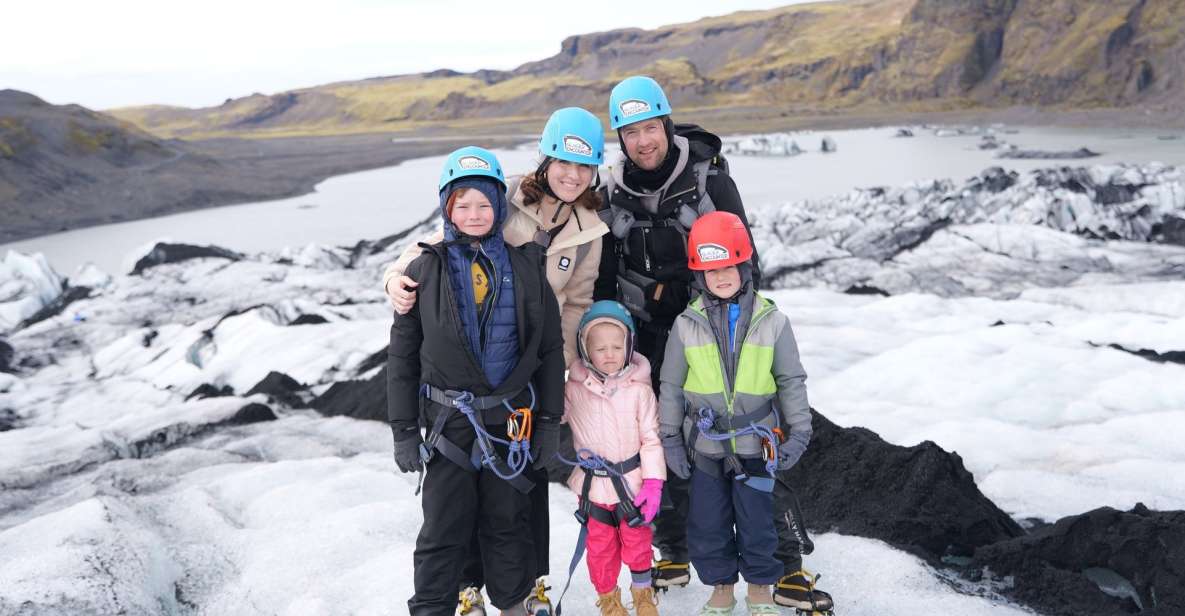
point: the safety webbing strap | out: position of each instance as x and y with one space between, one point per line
716 470
448 397
474 458
625 510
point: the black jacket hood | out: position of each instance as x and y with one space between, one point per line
704 145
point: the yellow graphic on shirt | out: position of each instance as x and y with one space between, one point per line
481 283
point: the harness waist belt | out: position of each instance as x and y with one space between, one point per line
477 457
448 397
730 465
624 511
724 423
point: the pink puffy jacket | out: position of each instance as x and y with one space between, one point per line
615 419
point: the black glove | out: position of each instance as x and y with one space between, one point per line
407 450
676 455
545 443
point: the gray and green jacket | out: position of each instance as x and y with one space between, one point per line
762 368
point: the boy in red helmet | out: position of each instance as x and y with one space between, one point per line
734 411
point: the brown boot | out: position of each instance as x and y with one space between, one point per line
645 603
610 604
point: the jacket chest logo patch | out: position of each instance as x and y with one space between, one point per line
576 145
633 107
711 252
564 264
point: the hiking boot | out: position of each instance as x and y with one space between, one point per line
645 603
721 603
538 604
797 590
667 574
610 604
470 603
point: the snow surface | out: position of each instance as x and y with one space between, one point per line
305 516
120 494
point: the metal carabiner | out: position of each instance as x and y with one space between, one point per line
519 424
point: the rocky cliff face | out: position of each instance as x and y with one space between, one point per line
859 54
64 167
48 154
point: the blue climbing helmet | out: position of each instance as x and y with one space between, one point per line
471 161
599 312
635 99
575 135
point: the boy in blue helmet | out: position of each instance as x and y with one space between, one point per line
553 206
478 362
669 176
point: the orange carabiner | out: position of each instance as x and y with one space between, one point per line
518 424
769 449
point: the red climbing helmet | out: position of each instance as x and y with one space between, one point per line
716 240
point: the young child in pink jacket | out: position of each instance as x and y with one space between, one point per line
610 405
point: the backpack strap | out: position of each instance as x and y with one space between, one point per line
583 250
703 170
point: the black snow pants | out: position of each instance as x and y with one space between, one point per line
539 519
460 504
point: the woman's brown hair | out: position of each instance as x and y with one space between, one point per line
534 187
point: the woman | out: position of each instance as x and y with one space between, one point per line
554 206
477 361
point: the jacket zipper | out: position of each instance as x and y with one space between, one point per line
495 283
666 198
452 300
646 248
730 393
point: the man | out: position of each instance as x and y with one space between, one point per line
669 175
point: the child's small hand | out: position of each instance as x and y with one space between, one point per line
649 498
402 294
676 455
790 451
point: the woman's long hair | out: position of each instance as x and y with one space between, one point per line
534 186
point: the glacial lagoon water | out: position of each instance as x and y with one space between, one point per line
372 204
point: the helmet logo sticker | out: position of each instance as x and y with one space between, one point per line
473 162
576 145
633 107
711 252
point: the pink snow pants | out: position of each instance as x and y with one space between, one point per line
608 547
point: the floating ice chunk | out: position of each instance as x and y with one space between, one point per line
27 284
89 275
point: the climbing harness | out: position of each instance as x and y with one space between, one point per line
481 411
707 425
596 466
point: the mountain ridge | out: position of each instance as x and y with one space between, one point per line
837 57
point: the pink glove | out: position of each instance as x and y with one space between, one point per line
649 498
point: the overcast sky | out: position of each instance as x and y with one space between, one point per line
111 53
